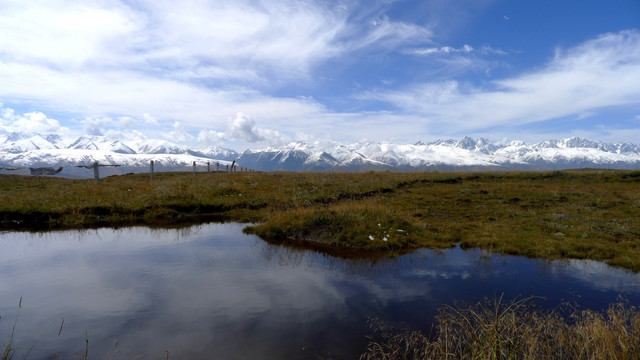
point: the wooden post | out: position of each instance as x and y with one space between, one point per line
151 170
194 168
217 167
96 172
227 168
208 166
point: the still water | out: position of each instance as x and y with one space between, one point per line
211 291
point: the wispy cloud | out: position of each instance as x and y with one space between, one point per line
465 49
191 61
598 73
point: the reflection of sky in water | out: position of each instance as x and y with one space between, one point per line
211 291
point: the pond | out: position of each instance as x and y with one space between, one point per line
211 291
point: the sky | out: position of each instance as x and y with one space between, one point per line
250 74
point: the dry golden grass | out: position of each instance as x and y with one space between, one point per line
492 329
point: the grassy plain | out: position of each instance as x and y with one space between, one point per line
590 214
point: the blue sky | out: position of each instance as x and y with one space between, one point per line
246 74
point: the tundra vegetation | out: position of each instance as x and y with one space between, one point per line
582 214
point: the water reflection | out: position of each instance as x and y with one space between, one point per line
212 291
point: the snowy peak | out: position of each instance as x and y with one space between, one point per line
158 147
216 152
83 143
87 142
466 143
578 142
23 144
582 143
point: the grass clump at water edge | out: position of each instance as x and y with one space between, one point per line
494 329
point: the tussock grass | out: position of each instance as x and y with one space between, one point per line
494 329
585 214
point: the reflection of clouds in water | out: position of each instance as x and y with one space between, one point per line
121 283
30 244
441 274
474 263
598 275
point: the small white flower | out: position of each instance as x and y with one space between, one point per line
371 237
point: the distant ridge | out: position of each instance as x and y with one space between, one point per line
39 150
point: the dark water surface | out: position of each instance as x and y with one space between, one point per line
211 291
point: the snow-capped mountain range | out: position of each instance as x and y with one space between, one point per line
19 150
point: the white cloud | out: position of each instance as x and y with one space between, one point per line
94 126
440 50
192 38
242 128
179 134
32 122
132 135
390 33
585 115
65 33
148 119
130 93
465 50
599 73
104 124
211 137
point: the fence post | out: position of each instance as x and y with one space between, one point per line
96 172
227 168
217 167
151 170
208 166
194 168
